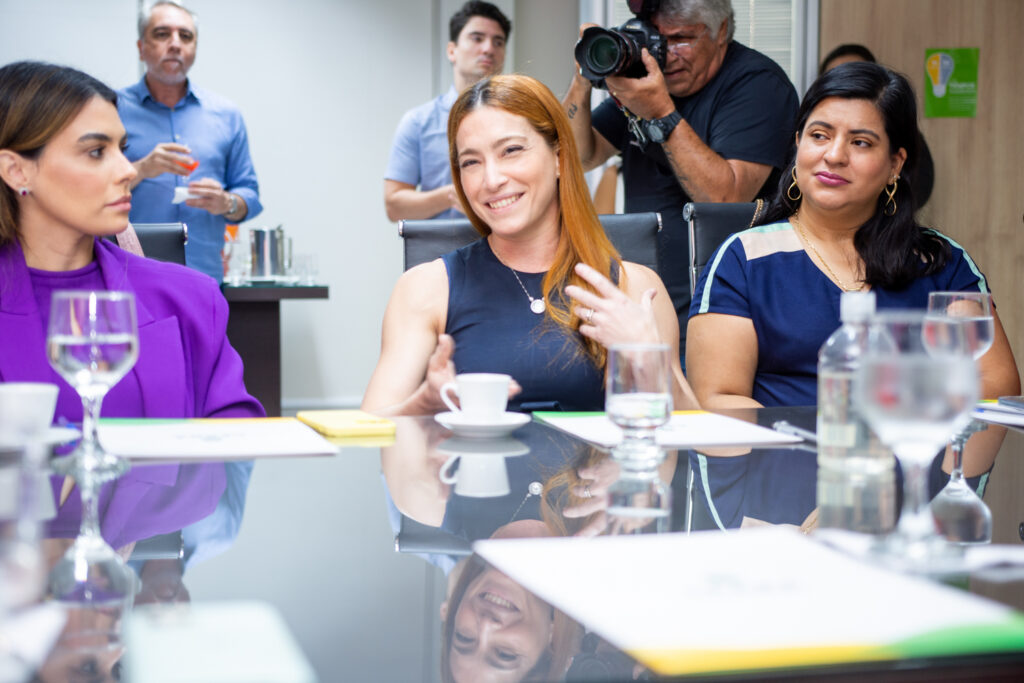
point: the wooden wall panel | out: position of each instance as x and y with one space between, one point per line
979 163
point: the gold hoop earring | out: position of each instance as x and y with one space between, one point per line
891 200
789 190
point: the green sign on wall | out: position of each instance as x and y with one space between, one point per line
951 82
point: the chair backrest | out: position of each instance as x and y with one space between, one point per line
416 537
711 223
635 236
161 241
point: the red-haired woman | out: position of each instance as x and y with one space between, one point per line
503 303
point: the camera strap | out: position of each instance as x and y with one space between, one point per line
633 123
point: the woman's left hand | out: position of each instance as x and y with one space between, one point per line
610 316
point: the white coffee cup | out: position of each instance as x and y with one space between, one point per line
478 476
26 410
483 396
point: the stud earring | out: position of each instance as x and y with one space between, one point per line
23 191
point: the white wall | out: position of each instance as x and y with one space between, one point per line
322 85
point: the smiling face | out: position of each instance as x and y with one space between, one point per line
168 46
501 630
843 160
694 55
508 172
479 51
80 182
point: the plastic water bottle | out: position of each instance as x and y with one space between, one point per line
856 486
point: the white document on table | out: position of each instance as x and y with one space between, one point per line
990 411
685 429
749 600
211 439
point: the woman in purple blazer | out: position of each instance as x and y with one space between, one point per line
64 185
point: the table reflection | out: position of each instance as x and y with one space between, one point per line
315 548
191 511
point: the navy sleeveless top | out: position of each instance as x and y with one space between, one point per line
494 329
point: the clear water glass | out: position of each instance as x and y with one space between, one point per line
92 341
916 387
638 395
961 515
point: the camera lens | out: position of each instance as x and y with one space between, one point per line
603 54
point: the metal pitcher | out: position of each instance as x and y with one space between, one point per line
270 252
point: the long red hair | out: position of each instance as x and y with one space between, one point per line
581 237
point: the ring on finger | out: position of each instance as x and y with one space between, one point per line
590 315
586 491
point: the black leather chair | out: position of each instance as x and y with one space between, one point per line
161 241
635 235
711 223
416 537
163 547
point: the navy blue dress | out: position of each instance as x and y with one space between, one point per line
494 329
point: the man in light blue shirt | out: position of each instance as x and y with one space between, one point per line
180 135
418 180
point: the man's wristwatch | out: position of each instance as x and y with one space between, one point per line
233 206
658 130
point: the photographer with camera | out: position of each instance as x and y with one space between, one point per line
695 115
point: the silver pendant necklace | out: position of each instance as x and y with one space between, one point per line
534 489
536 305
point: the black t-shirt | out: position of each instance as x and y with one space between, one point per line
746 112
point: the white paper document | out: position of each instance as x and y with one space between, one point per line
991 411
211 439
685 429
749 600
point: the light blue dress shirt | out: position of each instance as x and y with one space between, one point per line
419 154
212 127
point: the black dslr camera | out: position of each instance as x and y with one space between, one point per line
603 52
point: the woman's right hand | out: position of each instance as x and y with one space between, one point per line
440 371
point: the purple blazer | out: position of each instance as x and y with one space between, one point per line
186 368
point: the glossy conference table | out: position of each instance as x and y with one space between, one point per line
349 549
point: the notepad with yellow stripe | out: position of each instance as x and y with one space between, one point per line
350 427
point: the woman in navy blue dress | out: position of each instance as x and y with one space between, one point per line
842 220
504 303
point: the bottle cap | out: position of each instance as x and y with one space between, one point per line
856 307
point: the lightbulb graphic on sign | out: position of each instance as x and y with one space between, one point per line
940 68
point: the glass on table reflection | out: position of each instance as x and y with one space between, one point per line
92 342
916 387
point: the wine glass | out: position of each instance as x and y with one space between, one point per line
962 516
92 341
638 397
916 387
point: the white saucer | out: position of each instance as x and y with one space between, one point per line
463 426
502 446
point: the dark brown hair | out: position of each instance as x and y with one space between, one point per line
37 100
